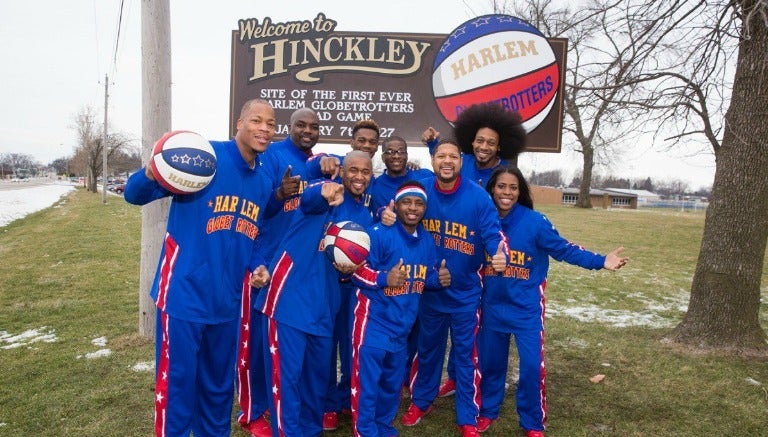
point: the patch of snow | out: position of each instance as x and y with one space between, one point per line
15 204
143 366
98 354
27 337
101 341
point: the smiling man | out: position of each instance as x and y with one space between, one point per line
304 297
465 225
285 163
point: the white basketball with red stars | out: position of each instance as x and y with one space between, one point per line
346 242
183 162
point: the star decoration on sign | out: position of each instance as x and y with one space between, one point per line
274 389
272 350
210 204
185 159
245 326
507 19
445 46
197 161
481 21
471 233
245 344
159 398
458 32
175 158
165 376
209 163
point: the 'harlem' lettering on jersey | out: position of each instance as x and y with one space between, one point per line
244 208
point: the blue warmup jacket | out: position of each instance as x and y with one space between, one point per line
392 311
512 301
209 243
465 225
469 170
275 161
304 289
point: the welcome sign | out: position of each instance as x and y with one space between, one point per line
405 82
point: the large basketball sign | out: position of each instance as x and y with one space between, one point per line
405 82
497 58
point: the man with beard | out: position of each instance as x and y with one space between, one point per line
303 299
463 221
285 163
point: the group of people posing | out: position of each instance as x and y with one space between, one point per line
456 251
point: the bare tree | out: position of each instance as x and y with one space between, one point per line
693 87
88 155
671 60
608 42
14 163
551 178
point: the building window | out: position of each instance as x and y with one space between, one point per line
621 201
570 199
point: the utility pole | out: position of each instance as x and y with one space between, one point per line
104 143
156 120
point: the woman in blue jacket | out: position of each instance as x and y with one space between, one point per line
513 301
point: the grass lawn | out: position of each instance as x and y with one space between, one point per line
69 292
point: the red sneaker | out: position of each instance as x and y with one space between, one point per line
483 423
468 431
534 433
448 388
330 421
414 414
258 428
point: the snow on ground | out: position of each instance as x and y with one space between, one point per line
17 202
26 338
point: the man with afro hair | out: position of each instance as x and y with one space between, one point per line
489 137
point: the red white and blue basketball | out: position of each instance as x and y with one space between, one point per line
346 243
183 162
496 58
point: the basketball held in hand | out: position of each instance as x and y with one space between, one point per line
183 162
346 242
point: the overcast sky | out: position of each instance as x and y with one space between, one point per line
55 55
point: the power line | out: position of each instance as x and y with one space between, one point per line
117 37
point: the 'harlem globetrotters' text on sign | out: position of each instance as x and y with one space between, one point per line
405 82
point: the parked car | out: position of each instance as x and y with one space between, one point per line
119 188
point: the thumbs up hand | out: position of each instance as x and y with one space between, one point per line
499 259
443 275
396 275
388 216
